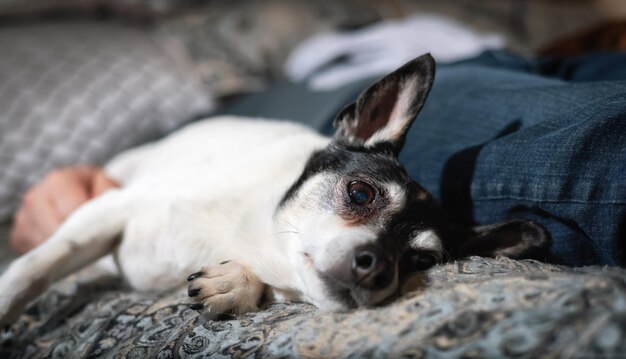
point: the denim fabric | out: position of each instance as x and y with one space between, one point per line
503 137
295 102
497 139
597 66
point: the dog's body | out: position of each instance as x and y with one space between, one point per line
214 207
262 205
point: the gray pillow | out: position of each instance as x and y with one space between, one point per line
79 93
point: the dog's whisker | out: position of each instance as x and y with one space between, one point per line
284 220
282 232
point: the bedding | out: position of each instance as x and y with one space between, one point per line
69 95
473 308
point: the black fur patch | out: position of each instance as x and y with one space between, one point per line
341 158
319 162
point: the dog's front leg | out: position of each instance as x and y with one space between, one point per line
88 234
228 287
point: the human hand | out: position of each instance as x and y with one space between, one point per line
47 204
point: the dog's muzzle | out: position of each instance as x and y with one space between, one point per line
364 278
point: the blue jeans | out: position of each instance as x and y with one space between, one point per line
503 137
498 139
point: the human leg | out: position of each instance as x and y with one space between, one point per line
493 143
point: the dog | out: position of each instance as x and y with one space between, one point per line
269 209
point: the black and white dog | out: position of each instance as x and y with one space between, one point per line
272 207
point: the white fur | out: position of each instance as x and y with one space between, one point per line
398 120
427 240
224 209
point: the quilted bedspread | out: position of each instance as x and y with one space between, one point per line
476 307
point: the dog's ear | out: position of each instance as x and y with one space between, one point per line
384 112
515 238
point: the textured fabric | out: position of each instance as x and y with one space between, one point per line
475 308
80 93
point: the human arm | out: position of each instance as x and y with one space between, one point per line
47 204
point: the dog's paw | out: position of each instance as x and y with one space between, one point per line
226 288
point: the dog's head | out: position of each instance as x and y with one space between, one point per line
362 223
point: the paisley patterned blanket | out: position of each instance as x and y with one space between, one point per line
477 307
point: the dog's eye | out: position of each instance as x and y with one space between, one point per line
413 260
361 193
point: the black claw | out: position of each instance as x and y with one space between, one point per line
192 292
195 275
224 262
197 306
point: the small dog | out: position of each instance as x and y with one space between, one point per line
270 207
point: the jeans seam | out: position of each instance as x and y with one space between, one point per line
503 198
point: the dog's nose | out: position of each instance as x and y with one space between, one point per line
371 268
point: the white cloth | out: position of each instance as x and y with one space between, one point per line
381 48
